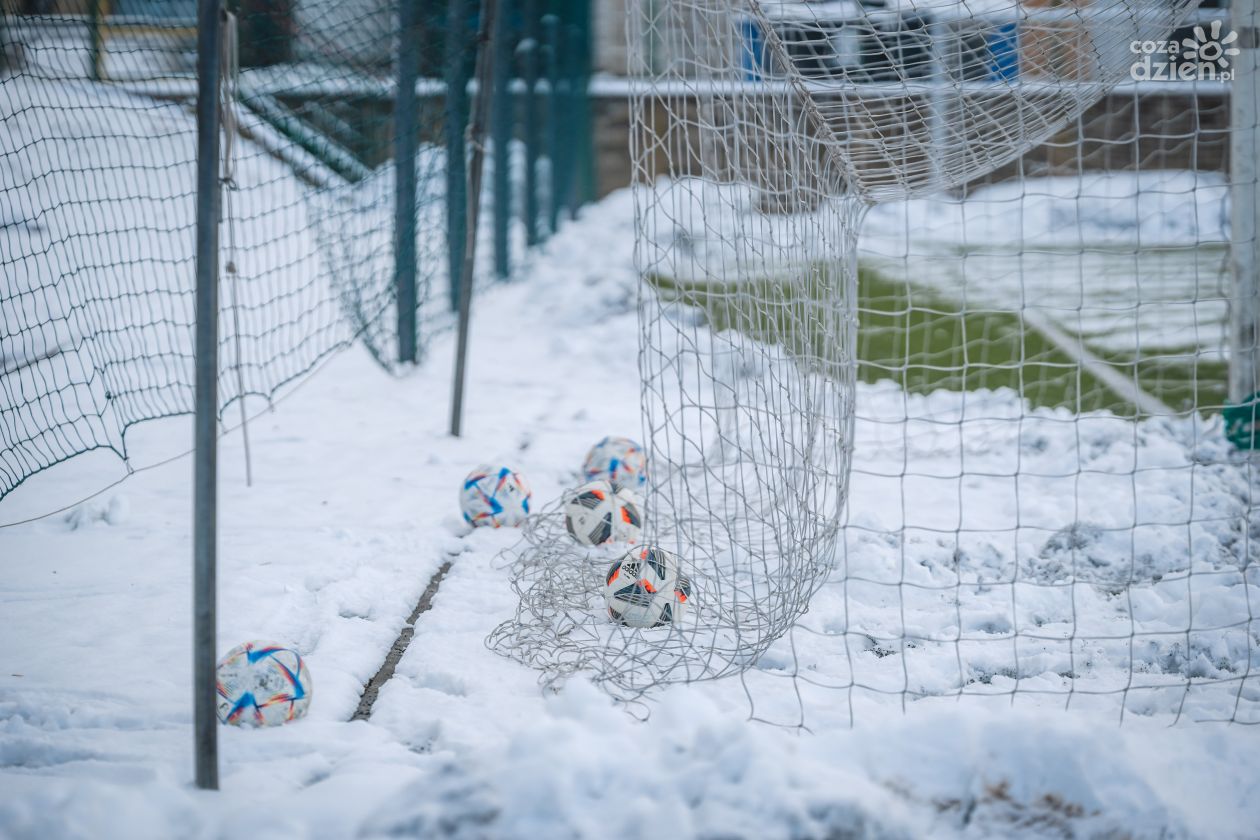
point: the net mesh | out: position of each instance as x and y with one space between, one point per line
852 257
97 175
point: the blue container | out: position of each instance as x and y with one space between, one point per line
752 57
1003 48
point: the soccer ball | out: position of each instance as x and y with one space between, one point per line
617 460
494 496
644 588
262 684
595 514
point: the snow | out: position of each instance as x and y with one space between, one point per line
353 508
1132 262
1000 564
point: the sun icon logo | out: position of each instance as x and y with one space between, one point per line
1208 47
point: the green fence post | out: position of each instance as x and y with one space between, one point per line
96 22
405 107
569 141
456 72
574 98
501 132
206 396
529 52
585 133
555 113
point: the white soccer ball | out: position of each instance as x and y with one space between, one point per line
645 589
494 496
596 514
619 461
262 684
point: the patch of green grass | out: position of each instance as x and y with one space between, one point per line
925 342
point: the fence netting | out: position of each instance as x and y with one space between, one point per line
97 173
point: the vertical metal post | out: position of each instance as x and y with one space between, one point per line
1244 151
405 107
530 51
476 135
501 131
97 22
586 133
574 93
555 113
206 394
938 108
456 61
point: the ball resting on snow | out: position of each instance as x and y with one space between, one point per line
595 514
619 461
645 588
494 496
262 684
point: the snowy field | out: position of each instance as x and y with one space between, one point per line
1032 627
1132 264
353 509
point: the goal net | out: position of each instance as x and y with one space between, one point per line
905 374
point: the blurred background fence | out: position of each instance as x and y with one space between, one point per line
340 196
92 223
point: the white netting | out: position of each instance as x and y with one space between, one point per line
762 133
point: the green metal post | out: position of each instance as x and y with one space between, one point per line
530 50
570 142
555 115
206 396
501 132
405 107
97 22
456 60
575 101
585 131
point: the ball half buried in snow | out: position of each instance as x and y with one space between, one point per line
495 497
619 461
262 684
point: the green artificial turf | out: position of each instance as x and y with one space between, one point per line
925 342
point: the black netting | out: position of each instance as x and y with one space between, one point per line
97 174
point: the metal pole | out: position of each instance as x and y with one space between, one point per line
456 153
586 133
1244 314
405 177
501 130
574 92
96 22
555 113
206 394
476 137
530 53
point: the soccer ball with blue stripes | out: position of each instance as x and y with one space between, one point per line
619 461
262 684
496 497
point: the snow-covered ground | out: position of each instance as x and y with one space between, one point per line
1133 263
998 564
353 509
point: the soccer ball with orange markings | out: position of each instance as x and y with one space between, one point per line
645 588
595 514
262 684
496 497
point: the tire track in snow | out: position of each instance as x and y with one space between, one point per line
396 651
